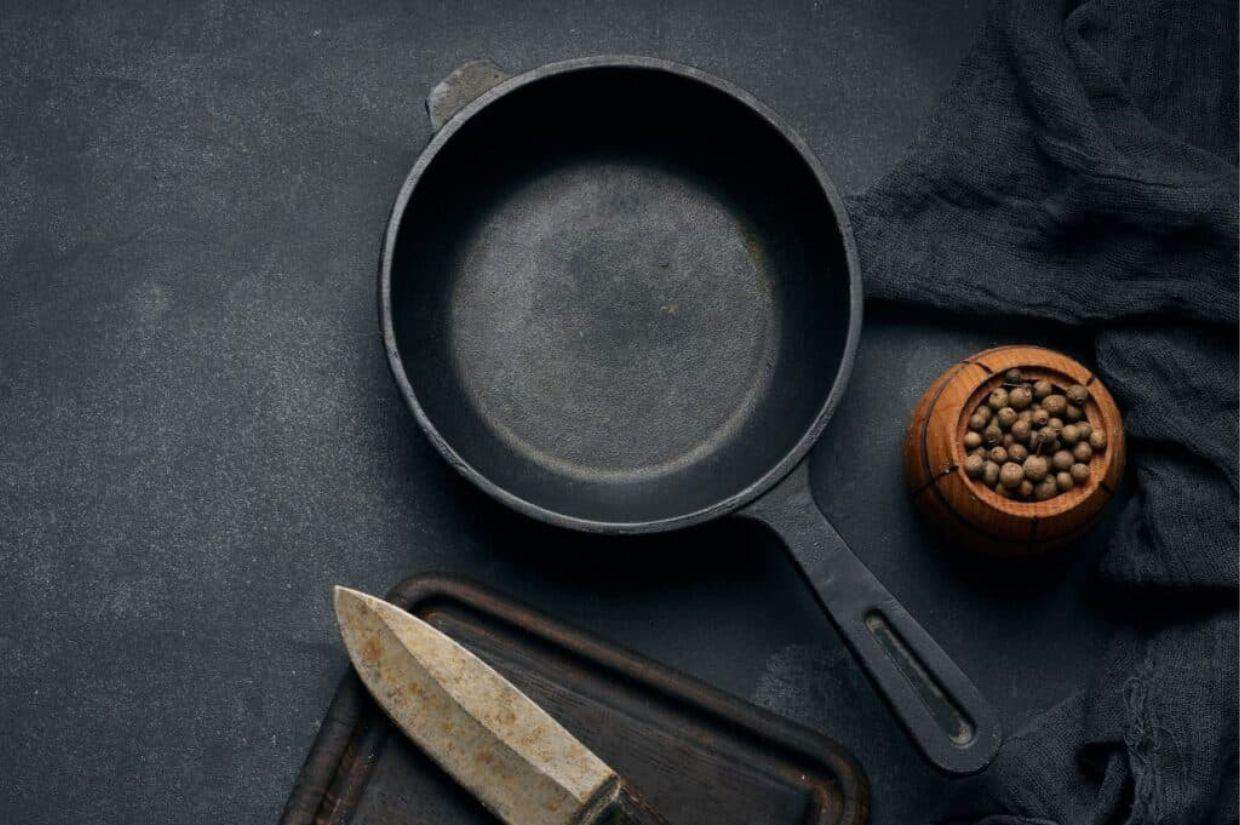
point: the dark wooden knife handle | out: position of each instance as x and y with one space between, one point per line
628 808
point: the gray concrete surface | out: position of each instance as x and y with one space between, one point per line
198 433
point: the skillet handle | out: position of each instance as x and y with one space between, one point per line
459 89
943 713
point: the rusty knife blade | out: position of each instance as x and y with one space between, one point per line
493 739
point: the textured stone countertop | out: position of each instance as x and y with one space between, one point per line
198 433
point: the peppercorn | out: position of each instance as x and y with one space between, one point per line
972 440
1045 489
990 473
1025 490
1018 452
1008 440
1035 441
973 466
1063 480
1098 440
1084 429
1055 404
1041 389
1046 439
976 422
1070 434
1002 492
1073 413
1080 473
1040 417
1083 452
985 412
1013 376
992 435
998 399
1006 417
1077 394
1021 430
1020 397
1061 460
1057 423
1011 475
1024 415
998 455
1035 468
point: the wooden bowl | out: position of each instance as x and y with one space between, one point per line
973 514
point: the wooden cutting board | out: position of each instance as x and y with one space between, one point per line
699 755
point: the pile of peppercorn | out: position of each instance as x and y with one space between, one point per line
1030 440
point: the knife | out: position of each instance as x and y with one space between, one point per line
492 738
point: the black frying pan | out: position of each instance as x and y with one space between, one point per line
620 295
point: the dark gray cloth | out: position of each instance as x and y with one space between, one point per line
1082 169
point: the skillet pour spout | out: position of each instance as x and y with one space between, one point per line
622 296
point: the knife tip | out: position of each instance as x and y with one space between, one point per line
341 595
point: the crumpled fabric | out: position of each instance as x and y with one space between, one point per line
1082 169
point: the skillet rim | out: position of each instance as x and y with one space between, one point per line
755 488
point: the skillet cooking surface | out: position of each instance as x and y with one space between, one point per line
619 294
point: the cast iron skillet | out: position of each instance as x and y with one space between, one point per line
620 295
